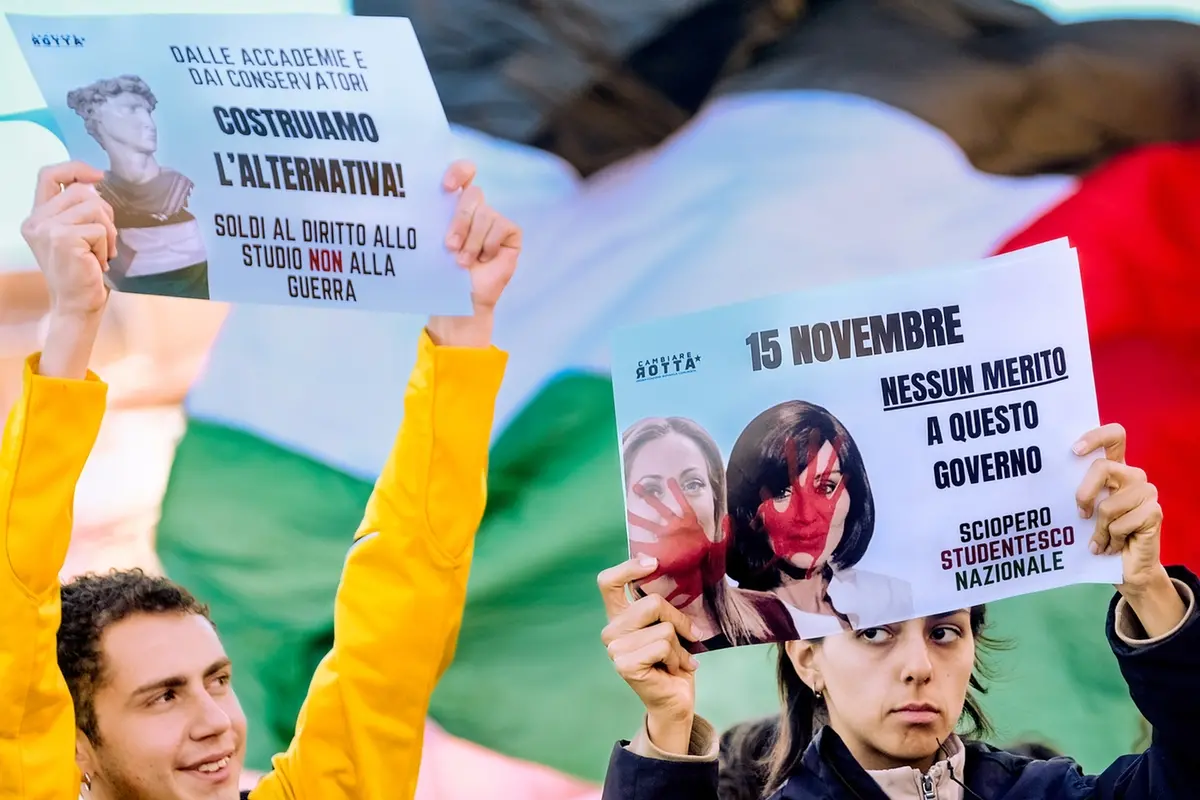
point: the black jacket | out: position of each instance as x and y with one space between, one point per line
1164 682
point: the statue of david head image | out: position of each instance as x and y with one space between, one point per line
119 114
160 247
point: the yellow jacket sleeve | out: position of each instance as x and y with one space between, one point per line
400 601
49 436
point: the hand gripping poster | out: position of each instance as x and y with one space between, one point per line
862 454
276 159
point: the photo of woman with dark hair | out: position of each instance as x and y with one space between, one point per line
675 496
801 517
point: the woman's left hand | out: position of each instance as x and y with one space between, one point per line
1129 520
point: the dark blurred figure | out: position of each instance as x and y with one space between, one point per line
744 750
595 81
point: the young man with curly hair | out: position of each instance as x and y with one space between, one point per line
139 703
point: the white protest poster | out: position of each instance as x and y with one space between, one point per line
259 158
862 454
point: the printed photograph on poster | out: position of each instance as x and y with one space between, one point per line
854 456
159 246
303 168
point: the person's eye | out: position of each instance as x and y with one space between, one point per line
221 683
945 634
693 486
165 697
875 635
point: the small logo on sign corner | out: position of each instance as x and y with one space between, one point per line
57 40
667 366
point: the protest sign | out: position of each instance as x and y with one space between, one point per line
277 159
862 454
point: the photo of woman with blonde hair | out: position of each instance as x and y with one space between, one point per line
675 495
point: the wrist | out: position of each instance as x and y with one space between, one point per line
472 331
1156 582
1156 603
671 732
70 337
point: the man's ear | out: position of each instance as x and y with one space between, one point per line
85 757
803 653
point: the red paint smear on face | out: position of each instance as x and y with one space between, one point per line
802 528
684 552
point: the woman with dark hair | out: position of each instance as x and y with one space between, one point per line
801 517
675 493
873 714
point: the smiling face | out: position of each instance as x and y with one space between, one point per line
672 456
169 724
896 692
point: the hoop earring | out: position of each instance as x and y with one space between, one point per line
87 781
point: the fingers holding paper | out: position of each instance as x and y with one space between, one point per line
1129 518
71 233
485 243
644 639
481 238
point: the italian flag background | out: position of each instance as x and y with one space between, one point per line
242 443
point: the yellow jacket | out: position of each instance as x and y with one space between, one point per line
396 618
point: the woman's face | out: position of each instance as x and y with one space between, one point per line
656 462
896 692
819 482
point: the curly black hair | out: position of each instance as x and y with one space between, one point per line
90 604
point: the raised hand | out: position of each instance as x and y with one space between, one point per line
643 641
802 527
1129 522
72 236
485 243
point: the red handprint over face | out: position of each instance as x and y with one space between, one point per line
803 527
684 552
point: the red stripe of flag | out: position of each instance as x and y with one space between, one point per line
1136 225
